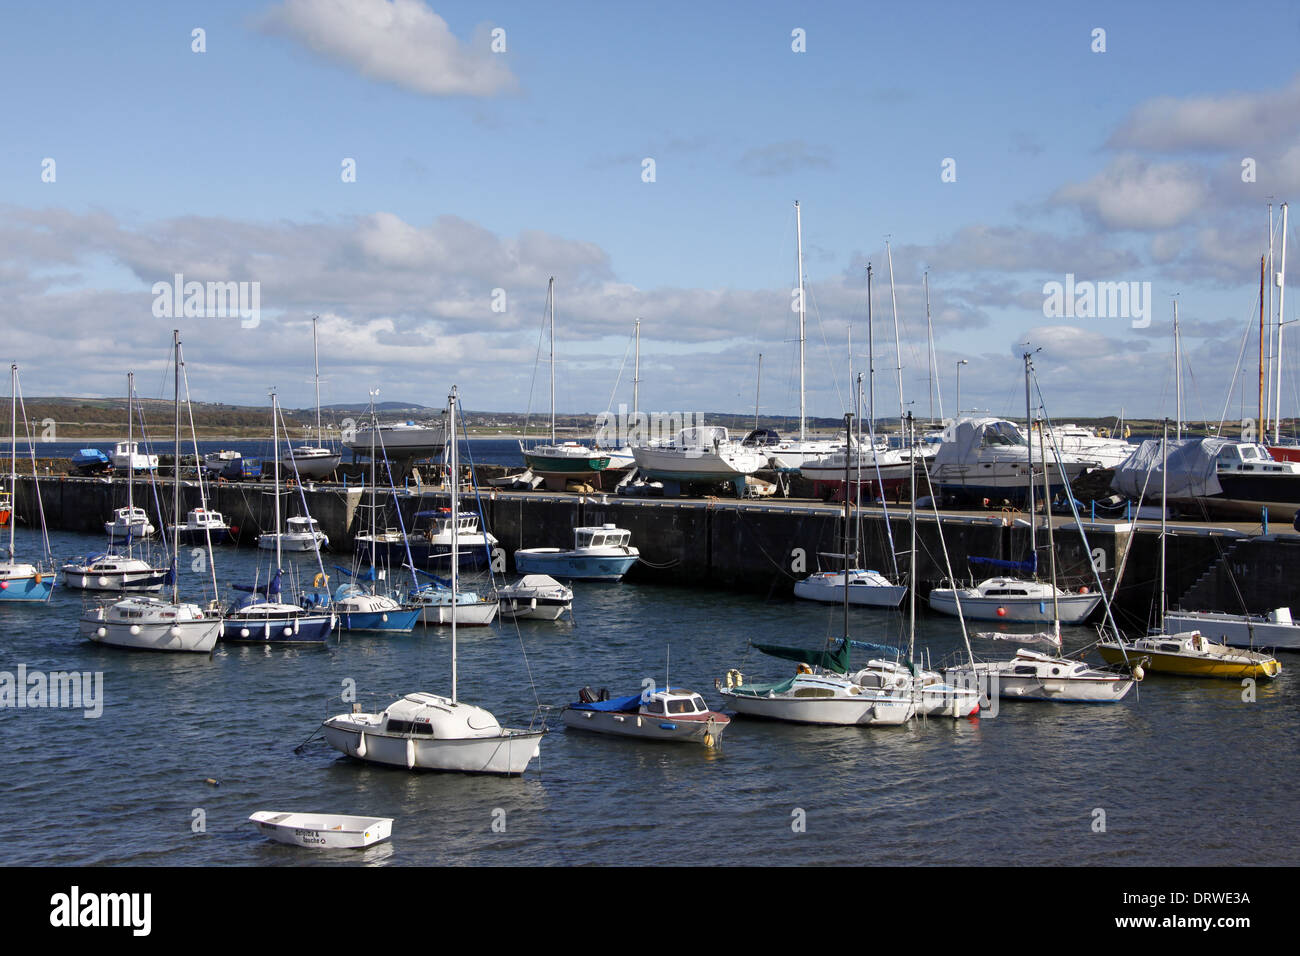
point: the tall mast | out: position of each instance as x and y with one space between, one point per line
1281 323
550 294
374 488
636 371
1164 511
1029 430
176 472
1262 264
848 428
857 532
1178 373
798 219
871 360
758 389
1051 540
929 329
898 345
13 456
911 568
130 458
315 354
455 521
275 451
1268 388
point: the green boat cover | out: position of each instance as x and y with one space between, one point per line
831 659
762 690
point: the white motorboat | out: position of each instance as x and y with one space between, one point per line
113 572
671 714
133 521
149 623
879 469
23 581
472 609
1080 441
424 731
128 457
535 597
866 588
302 533
821 697
989 458
702 453
599 553
323 831
1032 675
1012 599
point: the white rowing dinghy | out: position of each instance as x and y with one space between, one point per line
323 831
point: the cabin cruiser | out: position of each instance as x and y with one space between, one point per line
127 455
988 458
301 534
535 597
701 453
1091 443
113 572
1012 599
671 714
132 521
430 542
203 525
1031 675
600 553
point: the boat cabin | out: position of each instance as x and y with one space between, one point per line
606 536
1241 457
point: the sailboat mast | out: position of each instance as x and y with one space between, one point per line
315 354
1051 540
911 567
1164 511
13 456
857 534
130 452
455 521
636 371
1262 265
871 360
1178 373
1281 324
550 293
1029 430
934 369
798 219
176 472
848 429
898 345
758 389
1268 395
275 451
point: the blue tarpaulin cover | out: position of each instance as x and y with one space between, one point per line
618 704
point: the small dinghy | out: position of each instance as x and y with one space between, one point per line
670 714
323 831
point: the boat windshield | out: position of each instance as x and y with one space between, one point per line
1001 433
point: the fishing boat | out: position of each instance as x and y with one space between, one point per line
1186 653
302 533
262 615
128 457
323 831
202 525
536 597
423 731
22 580
599 553
671 714
313 461
150 623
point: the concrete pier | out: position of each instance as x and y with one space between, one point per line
758 546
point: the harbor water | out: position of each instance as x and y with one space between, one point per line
1182 771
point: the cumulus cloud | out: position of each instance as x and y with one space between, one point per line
402 42
1132 193
1239 122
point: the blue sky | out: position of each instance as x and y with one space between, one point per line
226 165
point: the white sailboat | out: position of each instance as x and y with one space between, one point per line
22 580
130 522
151 623
424 731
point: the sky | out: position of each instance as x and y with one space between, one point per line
415 172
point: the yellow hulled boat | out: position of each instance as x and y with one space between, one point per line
1190 654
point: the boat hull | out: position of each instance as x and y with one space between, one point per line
815 588
314 629
1066 690
564 564
507 754
1186 666
196 637
838 711
478 614
323 831
1073 608
534 609
27 589
1236 631
642 727
152 580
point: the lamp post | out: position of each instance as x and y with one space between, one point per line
959 365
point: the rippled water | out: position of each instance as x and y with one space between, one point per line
1186 772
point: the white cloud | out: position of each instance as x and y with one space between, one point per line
1239 122
402 42
1132 193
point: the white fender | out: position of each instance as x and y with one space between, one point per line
135 629
361 745
243 632
410 753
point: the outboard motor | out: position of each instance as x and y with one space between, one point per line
587 696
